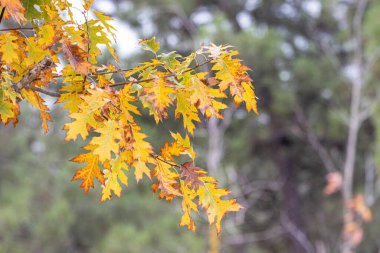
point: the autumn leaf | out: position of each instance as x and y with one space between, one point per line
233 75
9 48
79 126
188 205
140 169
6 111
174 149
150 44
15 9
192 175
77 57
113 175
89 171
187 110
47 36
203 96
210 199
126 106
107 142
185 143
159 96
104 19
167 180
71 94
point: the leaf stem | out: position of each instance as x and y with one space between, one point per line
164 161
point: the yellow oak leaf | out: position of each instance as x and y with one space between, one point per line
85 117
107 142
140 169
79 126
188 205
167 180
36 52
46 35
87 4
104 19
187 110
216 208
184 142
141 149
9 48
233 75
96 99
125 104
150 44
90 171
71 95
113 175
158 94
249 97
204 96
34 99
6 111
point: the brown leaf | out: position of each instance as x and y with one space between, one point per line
192 175
77 58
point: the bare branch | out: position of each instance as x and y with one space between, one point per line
357 83
314 141
2 14
297 234
254 237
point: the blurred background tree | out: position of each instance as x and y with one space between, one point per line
315 68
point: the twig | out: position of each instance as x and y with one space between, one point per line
2 14
314 140
164 161
154 78
47 92
254 237
297 234
16 29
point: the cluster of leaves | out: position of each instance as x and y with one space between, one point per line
103 111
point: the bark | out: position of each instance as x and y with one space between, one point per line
33 74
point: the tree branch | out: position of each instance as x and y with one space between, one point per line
16 29
47 92
254 237
33 74
357 85
165 76
314 141
2 14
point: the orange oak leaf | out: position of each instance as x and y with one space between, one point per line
90 171
14 9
